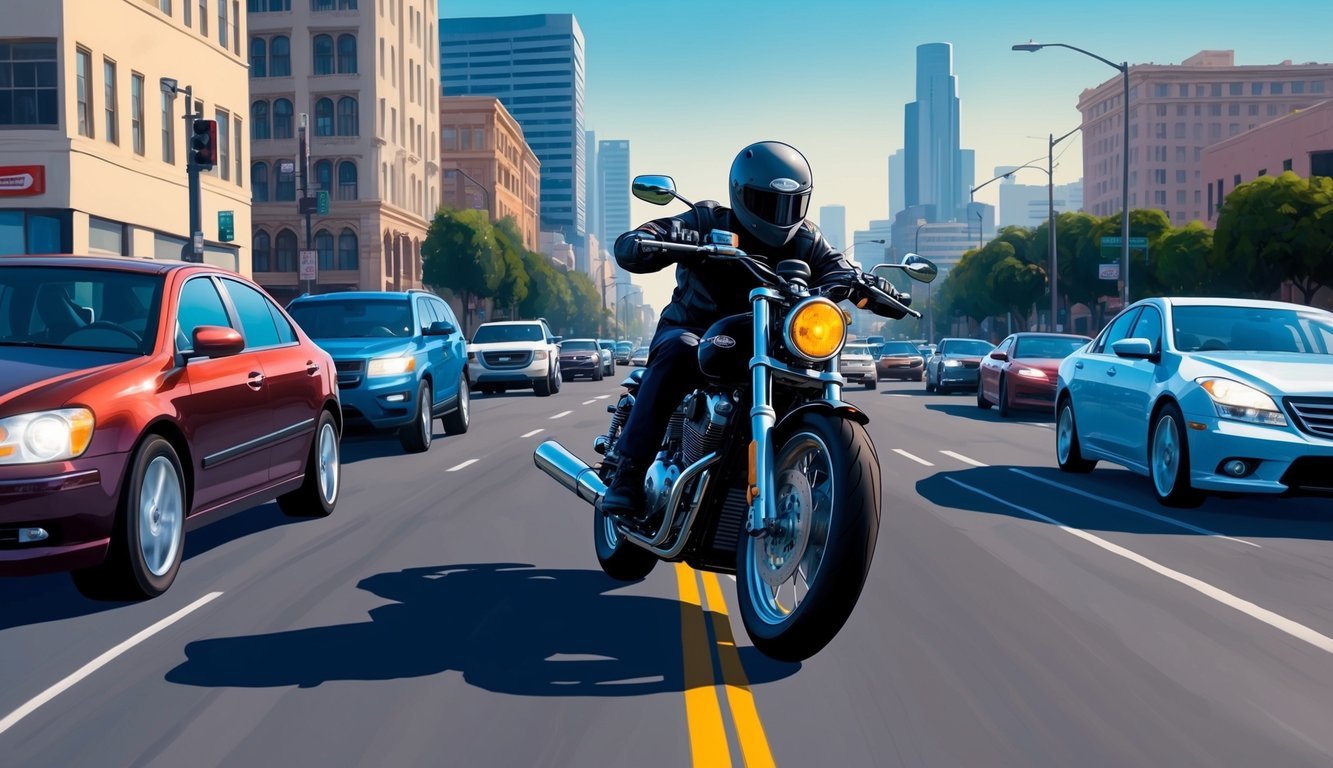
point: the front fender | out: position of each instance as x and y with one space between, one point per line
837 408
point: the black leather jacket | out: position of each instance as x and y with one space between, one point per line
707 291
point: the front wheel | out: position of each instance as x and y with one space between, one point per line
1169 463
457 423
1005 409
798 584
416 435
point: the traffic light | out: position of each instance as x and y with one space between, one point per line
204 144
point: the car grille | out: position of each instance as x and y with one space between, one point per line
515 359
1312 474
349 373
1313 415
971 363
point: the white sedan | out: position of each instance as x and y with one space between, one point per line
1204 395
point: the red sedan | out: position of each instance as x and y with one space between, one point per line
1021 371
135 395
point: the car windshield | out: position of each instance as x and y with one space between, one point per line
104 310
579 346
1047 347
898 348
624 346
1253 329
606 345
861 350
353 318
965 348
492 334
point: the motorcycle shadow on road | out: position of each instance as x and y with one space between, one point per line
1238 516
52 597
507 627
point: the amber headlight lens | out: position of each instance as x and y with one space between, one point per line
816 330
45 436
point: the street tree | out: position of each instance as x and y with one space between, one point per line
460 254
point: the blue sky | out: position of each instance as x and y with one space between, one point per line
690 82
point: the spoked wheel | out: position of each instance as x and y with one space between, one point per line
1170 461
416 436
457 423
619 559
798 582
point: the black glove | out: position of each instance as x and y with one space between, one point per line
868 299
680 234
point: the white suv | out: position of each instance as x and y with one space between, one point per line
515 354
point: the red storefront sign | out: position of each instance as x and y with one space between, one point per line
22 180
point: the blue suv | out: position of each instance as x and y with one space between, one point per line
400 356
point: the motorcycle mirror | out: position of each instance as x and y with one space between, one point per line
920 268
658 190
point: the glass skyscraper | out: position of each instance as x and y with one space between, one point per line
935 172
534 66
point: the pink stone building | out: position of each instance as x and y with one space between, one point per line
1301 142
1176 112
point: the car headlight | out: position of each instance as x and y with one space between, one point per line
45 436
816 329
1242 402
391 366
540 354
952 363
1032 373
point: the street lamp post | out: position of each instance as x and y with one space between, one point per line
485 193
930 305
1123 68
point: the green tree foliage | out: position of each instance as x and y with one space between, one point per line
1181 261
1148 223
460 253
1274 229
513 288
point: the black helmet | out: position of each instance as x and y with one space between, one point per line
770 191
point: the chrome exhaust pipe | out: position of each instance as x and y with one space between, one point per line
569 470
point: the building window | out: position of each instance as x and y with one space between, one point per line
224 144
203 16
136 112
381 57
84 86
258 57
347 54
164 6
322 5
323 48
109 96
1256 89
259 182
347 5
348 250
259 252
1276 89
259 125
347 180
1235 181
1298 87
168 127
284 251
1317 86
324 247
238 135
348 121
1180 179
236 27
1234 89
1286 164
188 12
222 23
35 232
282 119
324 176
280 57
324 117
29 91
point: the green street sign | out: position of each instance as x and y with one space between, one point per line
322 207
226 226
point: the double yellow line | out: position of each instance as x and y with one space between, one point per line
703 710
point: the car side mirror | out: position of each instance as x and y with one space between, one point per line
217 341
440 328
998 355
1134 349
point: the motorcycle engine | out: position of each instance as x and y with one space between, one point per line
707 417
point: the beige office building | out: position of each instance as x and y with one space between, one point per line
1176 111
486 164
93 150
366 75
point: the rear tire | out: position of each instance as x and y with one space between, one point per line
318 495
1067 453
619 559
871 383
456 423
148 535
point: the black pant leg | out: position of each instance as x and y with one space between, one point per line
672 372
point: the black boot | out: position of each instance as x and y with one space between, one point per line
624 499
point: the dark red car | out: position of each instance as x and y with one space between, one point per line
1021 371
136 395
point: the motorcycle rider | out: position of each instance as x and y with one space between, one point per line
770 190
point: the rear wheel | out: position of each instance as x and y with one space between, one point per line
1067 453
619 559
318 495
456 423
1169 462
798 585
148 537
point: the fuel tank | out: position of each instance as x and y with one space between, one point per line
726 347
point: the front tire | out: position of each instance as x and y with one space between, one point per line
318 495
1003 407
982 402
1067 453
543 387
416 436
148 538
1169 460
598 375
828 492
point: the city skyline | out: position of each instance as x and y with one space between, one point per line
850 120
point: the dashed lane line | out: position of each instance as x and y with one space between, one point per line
602 397
590 402
912 457
561 415
533 433
464 465
964 459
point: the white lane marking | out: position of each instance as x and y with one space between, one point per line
590 402
1277 621
900 395
561 415
731 576
14 717
963 458
1132 508
533 433
464 465
602 397
917 459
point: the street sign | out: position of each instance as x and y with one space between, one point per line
322 204
226 226
1109 266
197 243
287 167
1108 271
309 265
1134 242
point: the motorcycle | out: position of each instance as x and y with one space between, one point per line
788 500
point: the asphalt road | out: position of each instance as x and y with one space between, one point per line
451 612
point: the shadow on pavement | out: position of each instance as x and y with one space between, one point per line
52 597
1240 516
507 627
971 411
362 444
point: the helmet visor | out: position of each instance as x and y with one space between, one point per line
782 209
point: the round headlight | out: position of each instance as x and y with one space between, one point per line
816 329
47 437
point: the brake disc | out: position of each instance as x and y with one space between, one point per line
783 549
